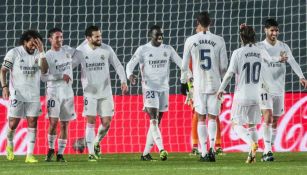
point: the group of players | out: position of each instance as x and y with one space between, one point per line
259 67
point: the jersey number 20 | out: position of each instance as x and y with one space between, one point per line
205 60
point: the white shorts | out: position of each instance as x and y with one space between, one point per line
206 104
275 103
19 109
245 114
155 99
104 107
62 108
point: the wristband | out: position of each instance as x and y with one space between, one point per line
42 55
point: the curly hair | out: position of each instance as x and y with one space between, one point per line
29 34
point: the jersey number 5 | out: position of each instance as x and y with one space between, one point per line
255 74
205 60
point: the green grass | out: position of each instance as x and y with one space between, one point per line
177 163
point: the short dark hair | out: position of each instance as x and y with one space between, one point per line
270 22
29 34
90 29
152 28
203 19
54 30
248 34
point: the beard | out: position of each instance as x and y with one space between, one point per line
96 43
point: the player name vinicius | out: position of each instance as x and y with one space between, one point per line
212 43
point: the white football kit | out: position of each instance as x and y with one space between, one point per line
209 64
95 78
60 95
24 85
273 81
154 63
247 63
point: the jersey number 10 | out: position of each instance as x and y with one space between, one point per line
255 74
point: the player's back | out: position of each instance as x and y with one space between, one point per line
247 66
209 56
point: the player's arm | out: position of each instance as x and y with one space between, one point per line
231 70
185 67
77 58
7 65
42 62
131 65
119 68
296 68
223 59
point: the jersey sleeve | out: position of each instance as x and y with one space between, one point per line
9 59
185 61
232 69
133 62
114 61
294 65
77 58
223 59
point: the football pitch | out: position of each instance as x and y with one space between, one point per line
177 164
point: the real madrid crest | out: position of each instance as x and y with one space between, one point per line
68 55
102 57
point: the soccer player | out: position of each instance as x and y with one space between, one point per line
96 85
25 64
60 95
246 62
209 63
273 85
154 60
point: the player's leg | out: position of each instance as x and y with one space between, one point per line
218 143
32 111
90 111
62 141
53 107
194 134
105 109
13 123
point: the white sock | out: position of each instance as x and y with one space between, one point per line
155 131
10 137
212 132
51 141
61 145
267 135
102 131
31 137
253 133
149 143
274 132
90 136
202 136
243 134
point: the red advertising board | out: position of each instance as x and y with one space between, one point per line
129 127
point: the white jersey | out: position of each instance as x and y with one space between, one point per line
274 80
154 63
247 62
24 74
61 62
209 61
95 76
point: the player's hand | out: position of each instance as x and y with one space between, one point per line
283 57
39 45
66 78
5 93
184 88
132 79
124 88
303 82
220 95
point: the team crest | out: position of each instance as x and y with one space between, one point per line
102 57
150 55
165 54
68 55
86 57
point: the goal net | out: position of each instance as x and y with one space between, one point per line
124 26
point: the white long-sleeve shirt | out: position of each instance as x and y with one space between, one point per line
274 79
209 61
95 75
154 63
247 63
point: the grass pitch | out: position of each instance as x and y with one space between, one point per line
177 164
